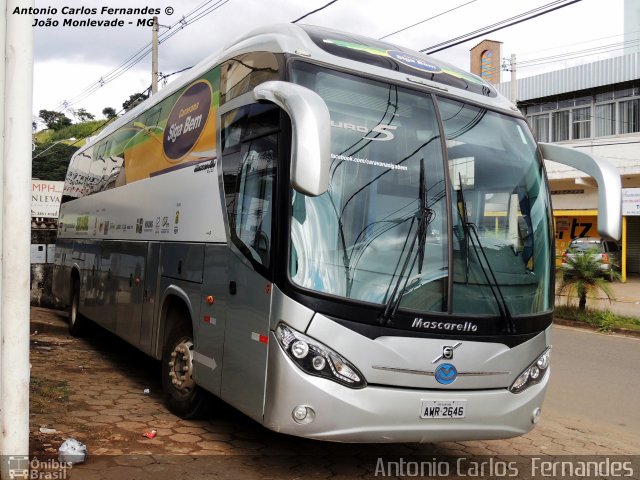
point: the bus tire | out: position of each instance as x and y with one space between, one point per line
182 396
77 322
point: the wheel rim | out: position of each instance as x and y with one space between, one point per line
181 366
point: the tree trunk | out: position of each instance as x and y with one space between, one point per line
582 304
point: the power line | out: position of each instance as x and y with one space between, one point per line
578 54
531 14
314 11
573 44
426 20
140 54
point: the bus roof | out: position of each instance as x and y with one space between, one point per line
343 50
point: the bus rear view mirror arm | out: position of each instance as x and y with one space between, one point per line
311 133
604 173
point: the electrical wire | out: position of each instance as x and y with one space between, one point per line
193 16
426 19
314 11
140 54
523 17
577 54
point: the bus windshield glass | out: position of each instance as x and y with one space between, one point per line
382 231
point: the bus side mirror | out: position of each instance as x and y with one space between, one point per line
311 133
606 176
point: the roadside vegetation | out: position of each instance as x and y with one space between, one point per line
603 320
582 280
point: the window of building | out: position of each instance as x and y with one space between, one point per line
540 127
629 116
605 120
581 123
560 126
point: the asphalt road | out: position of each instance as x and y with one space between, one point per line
595 381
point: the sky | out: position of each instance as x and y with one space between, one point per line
69 59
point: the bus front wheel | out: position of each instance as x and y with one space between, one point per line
183 397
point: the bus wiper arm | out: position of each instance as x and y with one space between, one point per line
425 216
471 233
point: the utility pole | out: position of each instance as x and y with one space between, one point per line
514 82
154 56
509 65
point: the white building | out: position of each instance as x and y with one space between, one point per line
596 108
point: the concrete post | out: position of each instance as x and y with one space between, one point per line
154 56
16 233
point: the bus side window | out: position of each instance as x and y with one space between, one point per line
249 158
254 198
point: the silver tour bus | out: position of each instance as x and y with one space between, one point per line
342 238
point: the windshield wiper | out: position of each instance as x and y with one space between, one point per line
424 216
471 233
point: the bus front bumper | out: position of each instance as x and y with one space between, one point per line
389 414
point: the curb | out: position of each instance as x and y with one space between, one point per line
587 326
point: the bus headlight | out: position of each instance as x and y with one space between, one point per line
533 374
317 359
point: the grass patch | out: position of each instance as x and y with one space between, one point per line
46 394
605 320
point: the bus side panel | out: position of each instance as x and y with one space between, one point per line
61 287
181 277
83 257
149 323
182 260
210 328
91 287
128 266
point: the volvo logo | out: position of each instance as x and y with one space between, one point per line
447 353
446 374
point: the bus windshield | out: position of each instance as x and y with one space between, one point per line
384 227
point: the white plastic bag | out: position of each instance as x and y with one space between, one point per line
72 451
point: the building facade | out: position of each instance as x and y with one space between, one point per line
595 108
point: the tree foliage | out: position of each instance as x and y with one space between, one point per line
83 116
134 100
53 163
109 112
54 120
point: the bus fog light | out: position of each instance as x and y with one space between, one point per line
318 363
535 417
303 414
299 349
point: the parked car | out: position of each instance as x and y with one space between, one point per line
607 253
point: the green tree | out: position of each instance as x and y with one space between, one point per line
54 120
53 163
134 100
582 277
109 112
83 116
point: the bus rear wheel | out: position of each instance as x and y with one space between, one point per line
77 322
182 396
